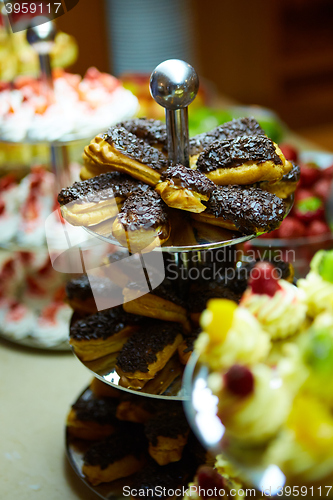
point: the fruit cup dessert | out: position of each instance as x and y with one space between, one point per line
276 408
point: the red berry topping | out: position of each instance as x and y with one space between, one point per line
318 228
239 380
7 182
290 153
291 228
2 207
264 279
208 479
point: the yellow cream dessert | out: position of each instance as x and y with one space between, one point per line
230 335
318 285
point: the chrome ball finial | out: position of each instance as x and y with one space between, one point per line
41 36
174 84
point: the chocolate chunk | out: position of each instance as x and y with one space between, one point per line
187 178
136 149
103 324
150 130
102 410
101 187
228 130
234 152
251 209
170 423
141 349
129 442
143 210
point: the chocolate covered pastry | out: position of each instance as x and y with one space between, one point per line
184 188
120 455
122 151
286 186
229 130
162 303
81 293
247 209
102 333
149 130
167 433
102 390
97 199
185 349
244 160
142 223
136 409
158 482
147 352
92 419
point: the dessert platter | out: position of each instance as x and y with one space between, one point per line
135 192
265 404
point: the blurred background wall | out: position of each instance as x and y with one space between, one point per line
275 53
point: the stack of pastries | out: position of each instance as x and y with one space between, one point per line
149 330
122 435
271 368
237 180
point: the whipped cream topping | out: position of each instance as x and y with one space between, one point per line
281 315
246 342
318 293
78 109
259 416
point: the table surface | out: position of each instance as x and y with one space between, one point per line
36 390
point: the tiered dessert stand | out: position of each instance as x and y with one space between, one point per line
173 85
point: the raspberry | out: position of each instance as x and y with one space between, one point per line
208 479
264 279
239 380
